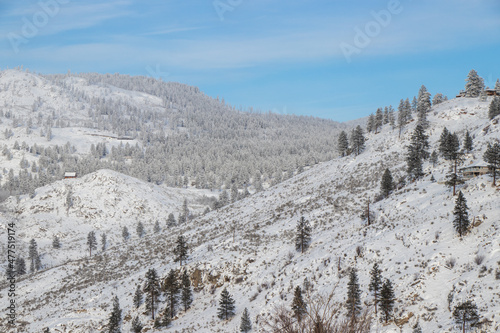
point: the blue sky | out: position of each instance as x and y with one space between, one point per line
285 56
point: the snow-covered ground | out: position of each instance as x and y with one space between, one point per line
248 246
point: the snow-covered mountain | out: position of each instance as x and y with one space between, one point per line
249 246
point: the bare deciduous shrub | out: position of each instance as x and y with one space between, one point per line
479 259
450 263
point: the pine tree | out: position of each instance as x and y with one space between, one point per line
115 317
466 313
138 297
185 210
171 220
402 116
56 244
358 140
387 299
137 325
20 266
299 307
303 235
186 292
353 303
438 99
468 142
451 152
156 228
125 233
370 124
417 152
387 184
343 144
494 109
375 283
434 158
172 288
38 263
423 106
443 142
103 242
414 104
386 115
152 290
33 255
226 305
392 118
461 221
91 242
140 229
181 250
165 318
246 323
492 157
474 84
379 119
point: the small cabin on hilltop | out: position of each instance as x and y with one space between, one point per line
492 92
69 174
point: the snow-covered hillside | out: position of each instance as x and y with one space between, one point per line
248 246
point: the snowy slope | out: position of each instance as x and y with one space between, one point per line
248 246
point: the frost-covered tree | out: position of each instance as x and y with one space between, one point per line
343 144
140 229
353 302
138 297
171 220
156 228
358 140
181 250
438 99
137 325
465 314
299 306
33 255
434 158
186 292
492 157
91 242
172 289
56 244
125 233
370 123
115 317
20 266
386 184
152 291
417 152
375 284
494 109
474 84
468 142
387 299
246 323
103 242
226 305
461 215
302 235
423 106
379 119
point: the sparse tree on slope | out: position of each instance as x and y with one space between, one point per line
115 317
246 323
387 299
370 124
466 314
438 99
492 157
494 109
303 235
353 303
343 144
33 255
474 84
156 228
461 220
186 292
104 242
387 184
140 229
299 307
91 242
20 266
226 305
56 244
417 152
171 288
468 142
423 106
138 297
180 250
379 119
125 233
358 140
152 290
171 220
375 284
137 325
